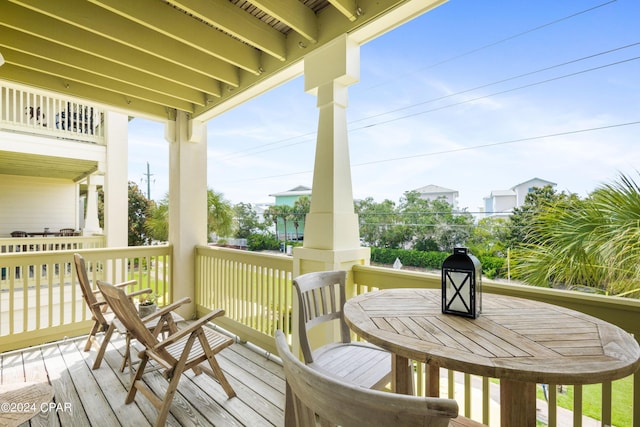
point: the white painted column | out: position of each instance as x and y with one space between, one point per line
332 238
116 192
331 230
187 202
91 222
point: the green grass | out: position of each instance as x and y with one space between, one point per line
622 404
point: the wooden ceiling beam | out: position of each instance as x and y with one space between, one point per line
172 23
47 28
94 19
235 21
348 8
22 45
294 14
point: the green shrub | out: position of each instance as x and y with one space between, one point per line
492 267
262 242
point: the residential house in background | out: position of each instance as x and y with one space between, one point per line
500 203
289 198
54 160
435 192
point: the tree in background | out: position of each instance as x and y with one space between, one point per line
489 237
274 213
422 224
523 219
158 221
247 221
592 243
219 215
139 211
377 223
301 208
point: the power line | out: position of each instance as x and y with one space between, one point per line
454 104
478 49
233 155
495 144
573 61
474 147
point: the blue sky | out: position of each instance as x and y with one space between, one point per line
474 96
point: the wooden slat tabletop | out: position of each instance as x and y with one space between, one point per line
515 339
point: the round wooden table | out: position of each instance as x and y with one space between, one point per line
522 342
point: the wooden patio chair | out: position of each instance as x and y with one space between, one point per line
183 350
316 395
104 320
321 297
19 234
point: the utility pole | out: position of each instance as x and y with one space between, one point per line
148 176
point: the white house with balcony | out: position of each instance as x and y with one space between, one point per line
500 203
55 156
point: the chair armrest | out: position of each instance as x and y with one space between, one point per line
139 292
189 329
167 309
120 285
127 283
99 303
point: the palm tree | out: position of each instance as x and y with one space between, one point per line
219 217
219 214
301 208
592 243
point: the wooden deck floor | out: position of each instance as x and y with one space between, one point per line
87 397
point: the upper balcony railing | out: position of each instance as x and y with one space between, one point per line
29 111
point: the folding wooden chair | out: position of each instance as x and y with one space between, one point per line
176 353
104 320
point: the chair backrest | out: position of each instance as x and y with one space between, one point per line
19 234
313 393
125 310
321 297
87 292
67 232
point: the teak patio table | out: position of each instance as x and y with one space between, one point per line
519 341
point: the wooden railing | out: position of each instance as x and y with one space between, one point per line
254 289
40 298
27 110
477 402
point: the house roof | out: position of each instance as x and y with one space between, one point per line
535 179
151 58
300 190
434 189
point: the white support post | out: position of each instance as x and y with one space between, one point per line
331 236
187 202
116 190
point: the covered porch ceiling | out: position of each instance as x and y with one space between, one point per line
151 58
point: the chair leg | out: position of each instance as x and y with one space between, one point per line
92 336
103 346
127 355
131 396
168 397
215 367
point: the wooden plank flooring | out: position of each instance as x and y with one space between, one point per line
89 397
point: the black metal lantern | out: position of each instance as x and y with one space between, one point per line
462 284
